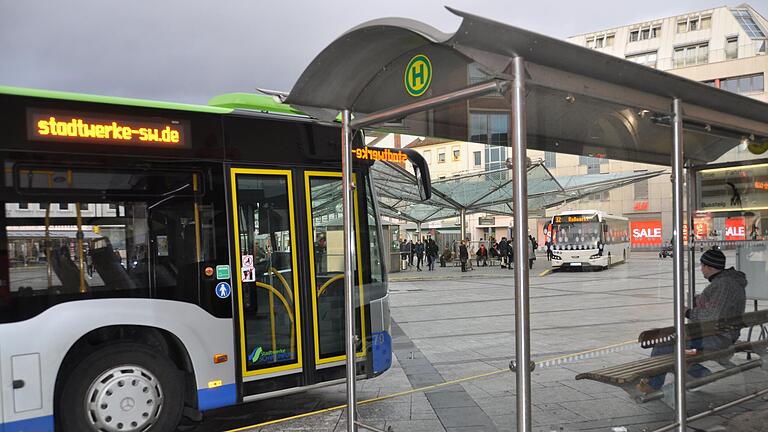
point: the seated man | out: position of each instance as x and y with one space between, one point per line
446 256
724 297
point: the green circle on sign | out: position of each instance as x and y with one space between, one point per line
418 75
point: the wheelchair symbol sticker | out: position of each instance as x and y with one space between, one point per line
223 290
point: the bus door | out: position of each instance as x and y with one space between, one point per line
267 282
326 259
266 278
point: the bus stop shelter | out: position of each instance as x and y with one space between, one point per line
399 75
487 191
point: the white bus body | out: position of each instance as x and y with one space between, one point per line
578 237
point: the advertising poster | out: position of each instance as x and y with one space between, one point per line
735 229
646 233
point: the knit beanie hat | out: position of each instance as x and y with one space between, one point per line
713 258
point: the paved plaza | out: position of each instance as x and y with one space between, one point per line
454 338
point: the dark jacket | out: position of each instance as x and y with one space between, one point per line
724 297
503 248
419 249
463 253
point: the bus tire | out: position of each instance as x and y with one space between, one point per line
124 386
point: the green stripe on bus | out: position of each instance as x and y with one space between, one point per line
253 102
52 94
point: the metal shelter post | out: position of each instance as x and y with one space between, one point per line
349 317
463 216
679 262
520 201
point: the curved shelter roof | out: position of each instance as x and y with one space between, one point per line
487 191
579 101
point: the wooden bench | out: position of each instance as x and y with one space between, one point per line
626 376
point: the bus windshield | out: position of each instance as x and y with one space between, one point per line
576 233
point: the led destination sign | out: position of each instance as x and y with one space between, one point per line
388 155
44 125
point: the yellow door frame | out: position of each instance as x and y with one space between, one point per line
287 174
316 292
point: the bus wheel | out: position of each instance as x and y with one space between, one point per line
124 387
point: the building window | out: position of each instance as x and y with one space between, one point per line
694 23
428 156
440 155
23 206
600 41
691 55
456 153
744 84
641 190
550 159
646 59
748 23
490 128
592 163
732 48
477 156
599 196
645 32
84 206
63 206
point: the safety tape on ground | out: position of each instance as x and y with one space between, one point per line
550 362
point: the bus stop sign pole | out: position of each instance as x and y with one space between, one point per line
349 319
520 200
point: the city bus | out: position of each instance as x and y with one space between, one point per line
588 239
162 259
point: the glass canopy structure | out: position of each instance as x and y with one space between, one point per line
487 191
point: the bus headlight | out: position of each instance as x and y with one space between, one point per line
557 257
595 256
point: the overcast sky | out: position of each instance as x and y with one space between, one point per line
191 50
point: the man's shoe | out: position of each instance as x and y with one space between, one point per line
644 387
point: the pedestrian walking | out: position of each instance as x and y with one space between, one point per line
504 253
411 252
432 252
532 246
548 245
463 256
419 250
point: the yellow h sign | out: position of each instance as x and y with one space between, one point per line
418 75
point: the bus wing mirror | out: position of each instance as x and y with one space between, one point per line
421 171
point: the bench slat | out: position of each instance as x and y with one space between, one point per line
634 371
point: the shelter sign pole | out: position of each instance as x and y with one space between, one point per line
520 200
679 263
349 318
463 215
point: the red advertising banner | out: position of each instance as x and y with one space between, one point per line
735 229
701 228
646 233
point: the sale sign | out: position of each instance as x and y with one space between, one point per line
735 228
646 233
